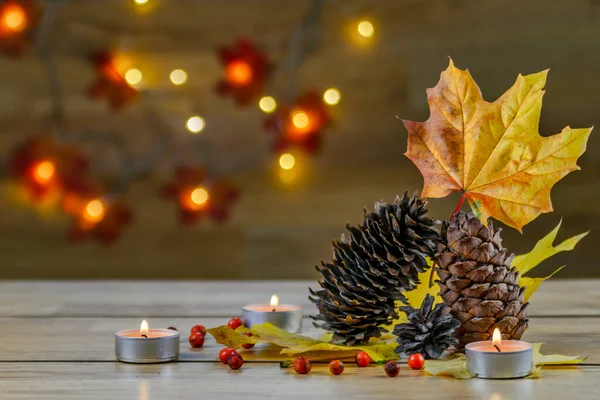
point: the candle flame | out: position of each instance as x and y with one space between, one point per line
496 337
274 301
144 328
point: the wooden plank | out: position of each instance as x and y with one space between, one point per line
101 381
91 339
224 298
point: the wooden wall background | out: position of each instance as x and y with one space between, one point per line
281 231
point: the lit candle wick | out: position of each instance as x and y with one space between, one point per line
274 302
497 339
144 328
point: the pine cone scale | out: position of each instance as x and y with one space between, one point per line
477 281
371 267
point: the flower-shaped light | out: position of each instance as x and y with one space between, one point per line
198 196
110 84
246 72
46 168
18 20
299 125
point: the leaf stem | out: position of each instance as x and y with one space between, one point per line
460 203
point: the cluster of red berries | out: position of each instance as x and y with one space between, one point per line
302 365
197 334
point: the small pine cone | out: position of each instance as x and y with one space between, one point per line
478 283
429 331
369 270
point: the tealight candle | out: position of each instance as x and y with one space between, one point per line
285 316
497 359
146 345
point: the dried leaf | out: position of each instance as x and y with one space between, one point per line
294 344
492 151
532 284
456 365
416 296
545 249
553 359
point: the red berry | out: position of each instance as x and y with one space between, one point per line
235 323
196 341
302 365
248 345
392 369
336 367
198 329
416 361
225 354
362 359
235 361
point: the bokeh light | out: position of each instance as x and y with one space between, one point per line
44 172
287 161
94 211
332 96
238 73
178 77
14 18
133 76
267 104
365 29
199 196
195 124
300 119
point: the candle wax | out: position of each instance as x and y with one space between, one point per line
268 308
152 333
507 346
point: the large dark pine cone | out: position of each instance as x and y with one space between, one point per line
478 283
372 267
429 331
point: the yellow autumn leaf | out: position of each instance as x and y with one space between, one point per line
532 284
456 365
492 152
416 296
294 344
544 249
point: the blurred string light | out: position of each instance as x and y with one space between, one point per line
178 77
199 196
287 161
267 104
238 73
14 17
140 2
133 76
300 119
44 172
332 96
195 124
365 28
94 211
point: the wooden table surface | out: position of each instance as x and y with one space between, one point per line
56 342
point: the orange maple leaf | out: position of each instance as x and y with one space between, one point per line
492 152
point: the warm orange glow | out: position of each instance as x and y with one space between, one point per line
14 18
44 172
199 196
144 328
94 211
300 119
496 338
238 73
274 301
